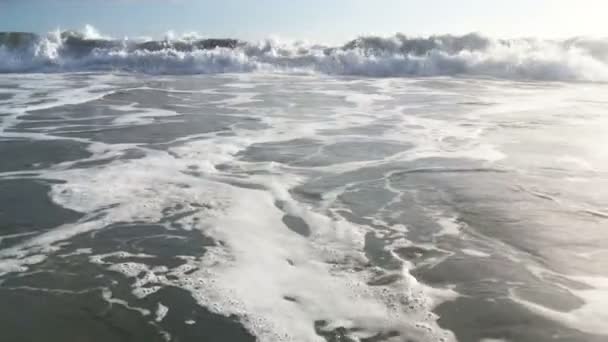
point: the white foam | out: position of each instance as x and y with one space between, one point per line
261 262
239 99
161 312
10 236
591 317
277 282
61 93
475 253
235 279
107 296
9 265
135 115
450 226
79 251
574 59
577 162
91 32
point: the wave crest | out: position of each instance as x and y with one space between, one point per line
398 56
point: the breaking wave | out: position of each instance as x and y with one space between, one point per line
576 59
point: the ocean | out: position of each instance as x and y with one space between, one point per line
450 188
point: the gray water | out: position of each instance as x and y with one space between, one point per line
302 208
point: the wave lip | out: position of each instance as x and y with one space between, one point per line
474 55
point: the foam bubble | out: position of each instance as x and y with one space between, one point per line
310 279
107 296
9 265
591 317
135 115
161 312
475 253
276 282
450 226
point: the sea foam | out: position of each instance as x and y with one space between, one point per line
577 59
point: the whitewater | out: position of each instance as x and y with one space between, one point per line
580 59
444 188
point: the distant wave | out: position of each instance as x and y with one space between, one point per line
575 59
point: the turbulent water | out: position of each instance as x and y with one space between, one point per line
473 54
282 206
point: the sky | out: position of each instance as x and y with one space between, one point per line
322 20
